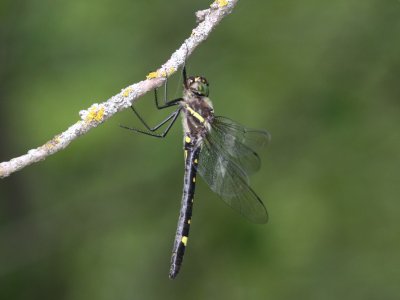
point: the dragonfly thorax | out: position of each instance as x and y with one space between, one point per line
197 114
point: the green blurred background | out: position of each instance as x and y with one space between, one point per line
97 220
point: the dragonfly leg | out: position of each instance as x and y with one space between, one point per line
166 102
184 74
151 130
173 116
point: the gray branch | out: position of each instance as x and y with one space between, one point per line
99 112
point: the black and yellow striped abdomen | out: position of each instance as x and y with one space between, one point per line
182 232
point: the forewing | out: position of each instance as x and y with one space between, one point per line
238 143
226 158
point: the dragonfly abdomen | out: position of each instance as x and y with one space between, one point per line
182 232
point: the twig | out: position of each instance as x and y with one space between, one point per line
99 113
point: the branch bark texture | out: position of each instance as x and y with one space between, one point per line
98 113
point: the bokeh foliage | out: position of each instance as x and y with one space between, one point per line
97 220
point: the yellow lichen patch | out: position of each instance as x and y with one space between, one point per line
126 92
171 70
152 75
222 3
53 142
95 114
164 73
161 73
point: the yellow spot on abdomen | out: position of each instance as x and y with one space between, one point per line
196 161
187 139
185 154
189 221
184 240
194 179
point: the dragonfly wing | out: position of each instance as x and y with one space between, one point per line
226 159
239 143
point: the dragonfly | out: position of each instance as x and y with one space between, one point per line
221 150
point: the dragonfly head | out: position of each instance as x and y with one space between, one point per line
198 85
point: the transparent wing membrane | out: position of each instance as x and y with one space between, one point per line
239 142
227 157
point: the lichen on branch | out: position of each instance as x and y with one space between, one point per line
98 113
